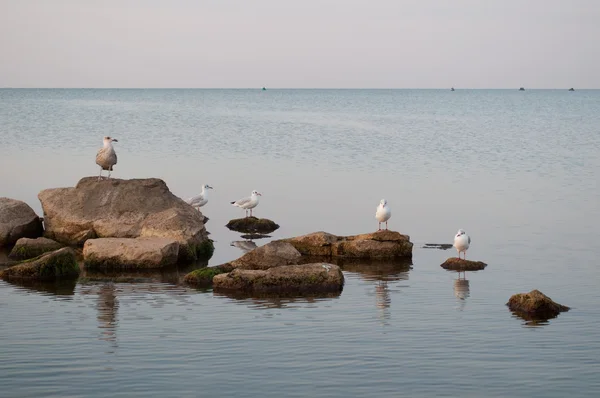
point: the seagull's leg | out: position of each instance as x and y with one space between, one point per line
379 226
109 173
100 175
386 226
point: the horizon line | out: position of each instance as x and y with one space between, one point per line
286 88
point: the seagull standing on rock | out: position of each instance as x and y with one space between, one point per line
200 200
248 203
106 157
462 241
383 214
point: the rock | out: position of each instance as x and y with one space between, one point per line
271 255
123 209
136 253
17 220
61 263
27 248
252 225
203 277
380 244
535 305
305 278
458 264
441 246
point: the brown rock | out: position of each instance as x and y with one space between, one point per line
61 263
137 253
17 220
459 264
122 209
26 248
535 304
305 278
380 244
252 225
271 255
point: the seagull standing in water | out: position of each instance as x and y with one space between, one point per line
462 241
106 157
200 200
383 214
248 203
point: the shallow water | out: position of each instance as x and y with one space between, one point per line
516 170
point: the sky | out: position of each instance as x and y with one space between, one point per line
300 44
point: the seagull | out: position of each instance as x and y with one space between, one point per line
106 157
248 203
383 214
245 245
462 241
200 200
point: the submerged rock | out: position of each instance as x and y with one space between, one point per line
27 248
252 225
535 305
459 264
123 209
137 253
203 277
61 263
17 220
305 278
380 244
441 246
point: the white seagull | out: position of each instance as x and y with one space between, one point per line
200 200
248 203
462 241
106 157
383 213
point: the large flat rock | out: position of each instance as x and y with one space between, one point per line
305 278
17 220
135 253
123 209
459 264
380 244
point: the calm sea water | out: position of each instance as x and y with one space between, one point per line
517 170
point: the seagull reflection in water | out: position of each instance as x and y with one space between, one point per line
461 290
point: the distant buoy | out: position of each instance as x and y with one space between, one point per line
571 89
452 89
522 89
264 89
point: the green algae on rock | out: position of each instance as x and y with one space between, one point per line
61 263
27 248
203 277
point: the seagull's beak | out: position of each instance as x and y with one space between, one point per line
259 194
210 187
115 140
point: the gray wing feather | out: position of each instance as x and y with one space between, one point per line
195 199
242 202
469 240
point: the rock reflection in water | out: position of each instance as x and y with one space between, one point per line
277 300
107 307
57 288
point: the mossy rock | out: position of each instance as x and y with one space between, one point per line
198 251
459 264
204 276
61 263
27 248
249 225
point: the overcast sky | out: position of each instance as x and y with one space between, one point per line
300 43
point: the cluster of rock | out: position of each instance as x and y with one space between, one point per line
131 224
273 268
535 305
301 264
